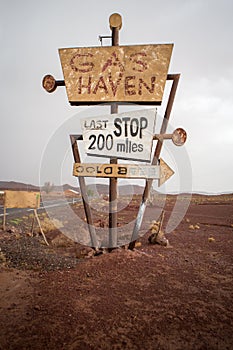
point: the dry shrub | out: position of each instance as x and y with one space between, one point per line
157 235
50 225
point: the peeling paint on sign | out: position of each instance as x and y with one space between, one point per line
111 74
21 199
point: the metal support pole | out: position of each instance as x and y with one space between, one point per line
82 185
141 211
115 25
4 218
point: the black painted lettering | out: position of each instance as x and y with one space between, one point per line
98 125
143 125
120 147
100 142
105 123
140 147
93 137
79 169
122 170
117 124
134 126
92 124
109 142
108 170
90 169
125 120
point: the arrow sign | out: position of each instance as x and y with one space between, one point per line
161 172
165 172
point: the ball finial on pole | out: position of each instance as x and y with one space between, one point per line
115 21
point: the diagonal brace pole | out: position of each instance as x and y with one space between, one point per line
145 196
82 184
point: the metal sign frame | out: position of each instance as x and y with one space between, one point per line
178 137
113 181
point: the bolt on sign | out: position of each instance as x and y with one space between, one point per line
126 135
116 74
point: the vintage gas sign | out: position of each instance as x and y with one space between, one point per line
109 74
125 135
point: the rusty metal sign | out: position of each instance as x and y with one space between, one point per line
125 135
161 172
179 137
116 74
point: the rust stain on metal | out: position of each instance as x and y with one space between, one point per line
179 137
49 83
109 74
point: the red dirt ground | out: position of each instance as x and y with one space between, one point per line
154 297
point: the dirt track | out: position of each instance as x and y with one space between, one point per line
152 298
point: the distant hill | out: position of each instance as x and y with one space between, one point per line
123 190
20 186
99 188
65 187
17 186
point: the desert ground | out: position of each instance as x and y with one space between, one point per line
62 296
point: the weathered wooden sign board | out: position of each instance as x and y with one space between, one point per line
135 73
124 135
21 199
161 172
116 170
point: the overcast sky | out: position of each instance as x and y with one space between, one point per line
31 32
